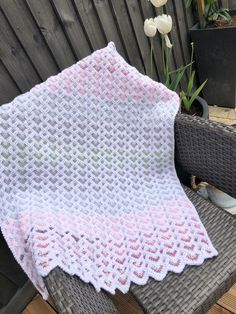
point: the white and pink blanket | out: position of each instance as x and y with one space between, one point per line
88 182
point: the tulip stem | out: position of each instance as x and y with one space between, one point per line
151 58
191 61
167 64
165 60
163 57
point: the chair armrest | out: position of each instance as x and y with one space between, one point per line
207 150
72 295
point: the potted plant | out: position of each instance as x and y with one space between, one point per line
215 51
191 102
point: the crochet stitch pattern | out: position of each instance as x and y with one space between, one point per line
88 182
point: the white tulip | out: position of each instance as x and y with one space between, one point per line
150 27
163 23
158 3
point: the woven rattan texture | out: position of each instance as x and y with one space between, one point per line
193 291
207 149
73 296
197 288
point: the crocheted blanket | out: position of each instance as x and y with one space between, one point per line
88 182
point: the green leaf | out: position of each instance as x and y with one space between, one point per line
175 82
207 8
215 16
190 84
185 101
225 16
182 67
197 92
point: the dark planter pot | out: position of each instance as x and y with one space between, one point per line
201 108
215 55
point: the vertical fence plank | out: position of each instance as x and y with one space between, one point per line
14 57
189 17
137 21
72 27
232 4
148 12
176 40
9 89
183 30
52 31
30 37
91 23
127 34
178 56
108 24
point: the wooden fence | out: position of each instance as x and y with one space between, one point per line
39 38
232 4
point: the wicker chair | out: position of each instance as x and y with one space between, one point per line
207 150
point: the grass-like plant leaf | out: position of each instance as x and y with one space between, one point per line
196 93
190 84
178 76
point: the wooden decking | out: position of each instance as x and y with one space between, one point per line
39 306
223 115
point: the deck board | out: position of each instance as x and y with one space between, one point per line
228 301
39 306
216 309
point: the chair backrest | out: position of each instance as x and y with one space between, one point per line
207 150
